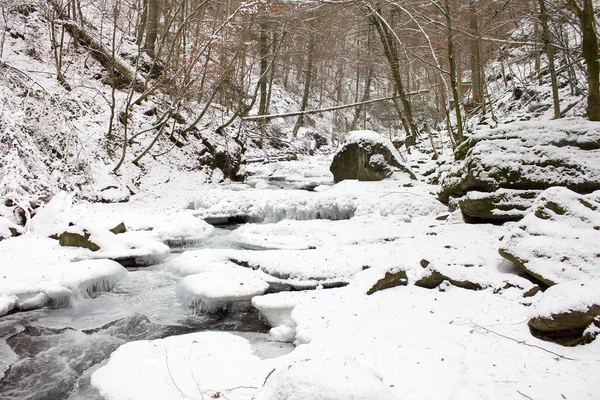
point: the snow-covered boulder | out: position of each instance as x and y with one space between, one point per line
558 239
215 291
325 380
131 249
568 312
30 286
507 164
367 156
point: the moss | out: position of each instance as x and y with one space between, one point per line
435 278
565 328
119 229
556 208
70 239
390 280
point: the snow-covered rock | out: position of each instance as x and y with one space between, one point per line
566 310
368 156
54 216
197 365
521 158
558 239
225 290
132 249
35 285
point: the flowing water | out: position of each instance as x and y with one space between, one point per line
51 353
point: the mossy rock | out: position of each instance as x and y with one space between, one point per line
360 161
72 239
390 280
435 279
121 228
522 157
565 328
501 205
542 243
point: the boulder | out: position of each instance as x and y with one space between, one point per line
568 313
557 241
434 278
75 239
367 156
499 170
391 279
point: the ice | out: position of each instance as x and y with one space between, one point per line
341 201
7 303
228 289
36 285
325 379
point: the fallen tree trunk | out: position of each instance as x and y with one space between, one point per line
125 74
308 112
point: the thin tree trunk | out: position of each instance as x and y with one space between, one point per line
590 55
550 54
307 83
453 77
391 53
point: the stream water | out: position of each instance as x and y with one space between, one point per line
50 354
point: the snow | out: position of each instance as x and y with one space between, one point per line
567 297
226 289
33 285
183 367
325 379
344 200
7 303
54 216
558 246
366 137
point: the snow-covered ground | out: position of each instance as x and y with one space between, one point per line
403 342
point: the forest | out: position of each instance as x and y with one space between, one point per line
299 199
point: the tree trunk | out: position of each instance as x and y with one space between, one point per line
391 54
590 55
476 64
262 83
550 54
307 83
453 77
152 30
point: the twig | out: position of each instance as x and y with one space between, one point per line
241 387
523 394
169 371
523 342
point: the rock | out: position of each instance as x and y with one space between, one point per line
119 229
214 292
508 164
367 156
568 313
390 280
557 241
501 205
435 278
74 239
